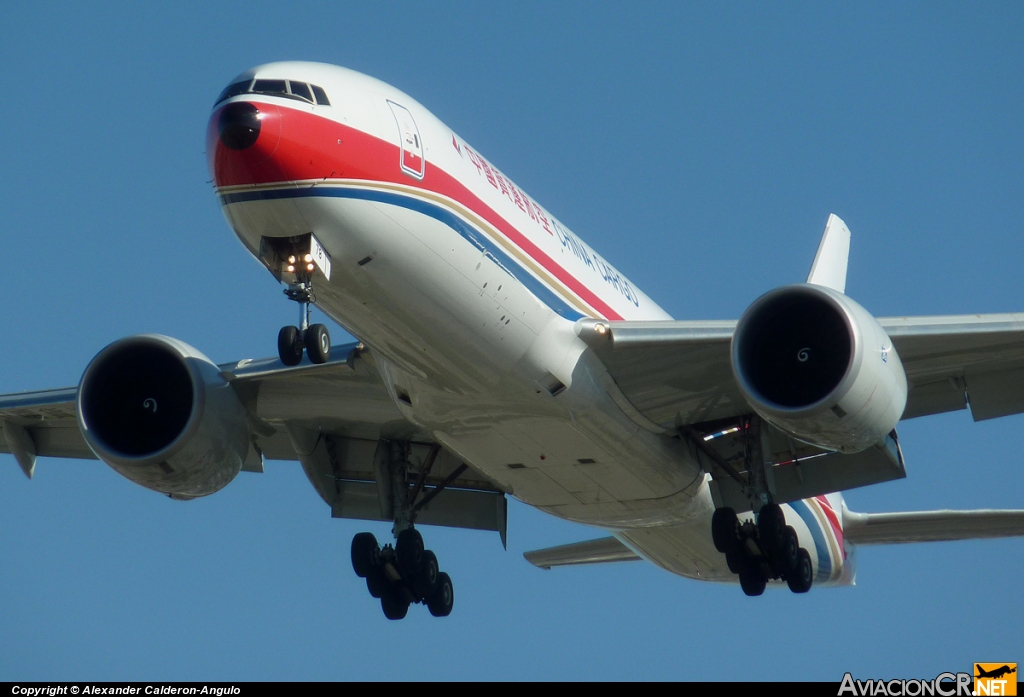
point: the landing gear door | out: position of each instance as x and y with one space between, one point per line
411 158
294 259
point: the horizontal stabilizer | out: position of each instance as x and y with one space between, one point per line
930 526
590 552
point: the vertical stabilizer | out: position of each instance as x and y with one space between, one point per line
829 267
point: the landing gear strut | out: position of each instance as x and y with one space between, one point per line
313 338
405 573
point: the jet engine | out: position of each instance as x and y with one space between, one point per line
157 411
818 366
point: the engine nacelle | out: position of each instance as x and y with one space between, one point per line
157 411
818 366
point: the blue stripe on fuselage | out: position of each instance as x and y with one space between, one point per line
820 545
506 262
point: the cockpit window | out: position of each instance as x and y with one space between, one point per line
321 96
291 89
270 87
234 90
301 90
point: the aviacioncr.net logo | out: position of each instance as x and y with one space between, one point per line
943 685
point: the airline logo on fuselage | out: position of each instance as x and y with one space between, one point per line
551 226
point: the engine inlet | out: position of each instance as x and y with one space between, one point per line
136 398
794 348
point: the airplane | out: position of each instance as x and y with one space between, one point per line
996 672
500 355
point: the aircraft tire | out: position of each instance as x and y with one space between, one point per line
802 578
723 529
441 602
428 576
377 583
393 605
289 345
734 559
318 343
771 527
409 550
752 581
789 555
365 552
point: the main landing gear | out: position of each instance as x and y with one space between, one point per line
405 573
768 549
313 338
402 575
756 551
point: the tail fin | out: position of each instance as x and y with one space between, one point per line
930 526
829 267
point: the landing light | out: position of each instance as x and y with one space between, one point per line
308 257
291 268
309 267
291 259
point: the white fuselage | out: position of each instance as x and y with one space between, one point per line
467 293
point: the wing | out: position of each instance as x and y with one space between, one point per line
669 371
344 397
330 417
677 377
681 372
960 360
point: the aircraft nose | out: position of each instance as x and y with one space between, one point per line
239 125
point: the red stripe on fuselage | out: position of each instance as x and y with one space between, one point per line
833 520
296 145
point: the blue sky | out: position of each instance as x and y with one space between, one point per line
699 147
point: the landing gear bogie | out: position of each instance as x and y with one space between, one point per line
402 575
762 551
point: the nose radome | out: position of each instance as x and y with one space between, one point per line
239 125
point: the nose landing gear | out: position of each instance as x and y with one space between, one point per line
313 338
402 575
